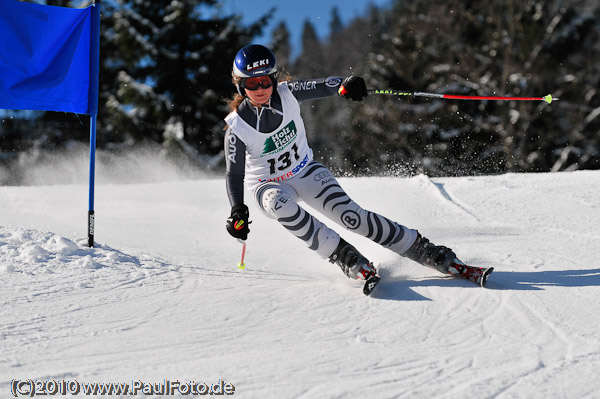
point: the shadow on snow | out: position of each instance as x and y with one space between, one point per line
402 289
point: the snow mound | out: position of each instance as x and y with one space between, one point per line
69 263
34 252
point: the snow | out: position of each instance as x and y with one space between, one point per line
160 296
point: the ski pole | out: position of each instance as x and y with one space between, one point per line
547 98
242 265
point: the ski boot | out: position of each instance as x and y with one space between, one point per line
431 255
353 263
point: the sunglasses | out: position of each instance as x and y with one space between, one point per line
254 83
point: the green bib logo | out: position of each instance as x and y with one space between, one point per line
280 140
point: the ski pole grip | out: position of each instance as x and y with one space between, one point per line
342 91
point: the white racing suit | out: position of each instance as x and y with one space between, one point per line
268 148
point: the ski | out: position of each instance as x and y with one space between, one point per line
370 284
477 275
486 274
369 274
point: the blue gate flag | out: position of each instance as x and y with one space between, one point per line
47 56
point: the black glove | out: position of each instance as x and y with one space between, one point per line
353 87
237 223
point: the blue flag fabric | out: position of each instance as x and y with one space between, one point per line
46 58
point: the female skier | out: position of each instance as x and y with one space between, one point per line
265 144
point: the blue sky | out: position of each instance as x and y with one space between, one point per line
295 12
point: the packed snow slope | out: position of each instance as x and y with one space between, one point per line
160 297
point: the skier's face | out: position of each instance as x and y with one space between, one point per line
259 96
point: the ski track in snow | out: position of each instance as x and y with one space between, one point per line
160 296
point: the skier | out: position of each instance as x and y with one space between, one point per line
266 145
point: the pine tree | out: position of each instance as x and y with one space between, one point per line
163 63
174 68
280 45
479 48
311 65
335 25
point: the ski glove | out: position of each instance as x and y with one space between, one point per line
237 223
353 87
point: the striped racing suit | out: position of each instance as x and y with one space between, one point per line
267 147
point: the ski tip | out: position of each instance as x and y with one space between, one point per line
370 284
486 275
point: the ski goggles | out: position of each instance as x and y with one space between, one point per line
254 83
